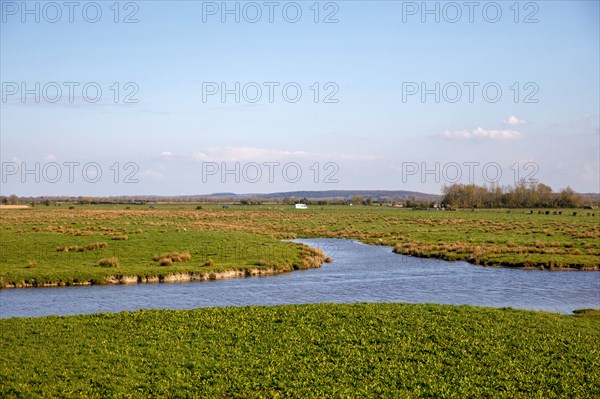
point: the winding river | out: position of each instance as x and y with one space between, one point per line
359 273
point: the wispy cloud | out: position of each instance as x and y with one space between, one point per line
255 154
234 154
481 134
514 121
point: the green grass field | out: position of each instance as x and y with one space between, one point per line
303 351
58 245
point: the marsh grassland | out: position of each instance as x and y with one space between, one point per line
300 351
111 244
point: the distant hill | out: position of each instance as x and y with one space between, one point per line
219 195
338 195
330 195
594 197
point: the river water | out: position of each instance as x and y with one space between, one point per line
359 273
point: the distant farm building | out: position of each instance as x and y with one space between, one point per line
301 206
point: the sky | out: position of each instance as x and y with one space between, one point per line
195 97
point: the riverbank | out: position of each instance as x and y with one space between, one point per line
361 350
308 258
483 256
169 278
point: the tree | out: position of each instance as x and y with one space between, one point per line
357 200
544 195
522 194
567 198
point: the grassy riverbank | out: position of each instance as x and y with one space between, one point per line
99 244
360 350
102 245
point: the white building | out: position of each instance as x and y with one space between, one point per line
301 206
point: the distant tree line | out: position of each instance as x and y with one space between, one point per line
521 195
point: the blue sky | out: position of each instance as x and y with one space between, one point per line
375 135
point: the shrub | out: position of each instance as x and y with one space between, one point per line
209 262
119 238
109 262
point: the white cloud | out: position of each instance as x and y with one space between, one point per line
248 154
166 154
255 154
50 157
514 121
481 134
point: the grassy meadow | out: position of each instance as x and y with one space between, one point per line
322 350
99 244
303 351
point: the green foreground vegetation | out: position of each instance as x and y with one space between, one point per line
99 244
303 351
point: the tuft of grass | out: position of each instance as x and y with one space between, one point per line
165 262
209 262
119 238
109 262
173 257
95 245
